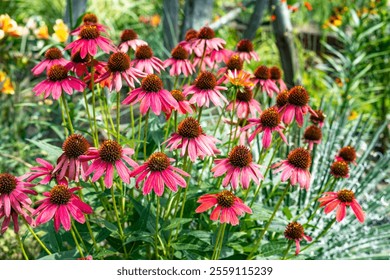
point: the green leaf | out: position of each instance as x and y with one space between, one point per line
51 150
66 255
287 212
174 223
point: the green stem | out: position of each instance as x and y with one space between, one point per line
219 242
79 236
21 247
157 223
96 143
287 249
146 132
77 243
118 220
324 231
66 108
37 238
118 117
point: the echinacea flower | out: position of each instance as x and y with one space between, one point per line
69 164
87 258
294 231
244 104
204 90
79 65
152 95
53 56
179 62
62 204
89 19
312 135
239 79
268 122
237 132
234 64
108 157
191 139
57 81
276 75
297 106
189 38
282 99
206 41
347 154
88 42
228 207
119 67
262 76
13 193
339 169
184 106
217 56
245 50
129 38
45 170
206 62
295 168
14 216
318 118
238 168
341 200
159 172
145 61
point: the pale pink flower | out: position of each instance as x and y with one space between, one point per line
57 81
206 41
129 38
312 135
245 104
191 139
294 231
159 172
262 76
89 19
238 168
179 62
62 204
245 50
145 61
228 207
205 63
190 37
152 96
53 56
341 200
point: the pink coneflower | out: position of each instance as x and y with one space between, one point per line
281 99
339 169
88 42
53 56
229 207
13 193
233 65
245 50
318 119
217 56
190 37
159 172
45 170
129 38
204 89
57 81
276 75
191 139
237 131
295 168
341 200
297 106
206 63
69 164
152 96
312 135
245 104
108 157
294 231
79 65
179 62
14 216
62 204
89 19
87 258
268 122
347 154
145 61
206 41
184 107
119 67
238 168
263 78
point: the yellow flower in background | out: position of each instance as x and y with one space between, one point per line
9 26
3 75
42 32
8 88
61 31
155 20
353 115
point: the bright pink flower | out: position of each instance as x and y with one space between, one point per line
88 42
191 139
69 163
80 65
129 38
179 62
206 41
13 194
204 90
53 56
159 172
341 200
268 122
229 207
190 37
312 135
62 204
152 96
276 75
45 170
295 168
238 168
294 231
245 50
217 56
347 154
297 105
57 81
245 104
14 216
318 119
184 106
263 78
145 61
119 67
89 19
108 157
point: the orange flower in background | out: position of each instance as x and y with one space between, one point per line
308 6
155 20
273 17
61 31
6 86
9 26
42 32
